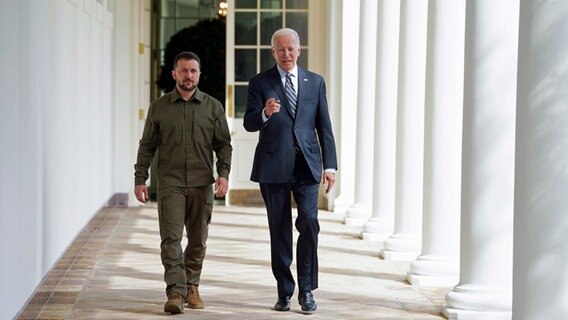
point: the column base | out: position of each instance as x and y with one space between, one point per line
341 209
432 281
478 302
374 237
401 247
341 204
457 314
357 215
377 229
398 255
434 271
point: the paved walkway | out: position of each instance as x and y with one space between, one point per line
113 271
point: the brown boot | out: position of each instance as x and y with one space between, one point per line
193 299
174 304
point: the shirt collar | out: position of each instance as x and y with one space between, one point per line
197 95
283 73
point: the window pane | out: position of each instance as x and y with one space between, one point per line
271 4
185 23
167 29
207 11
167 8
162 54
296 4
299 22
241 93
245 64
266 59
269 23
187 8
245 28
245 4
303 58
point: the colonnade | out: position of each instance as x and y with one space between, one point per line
463 106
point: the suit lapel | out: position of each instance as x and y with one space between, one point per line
303 89
276 83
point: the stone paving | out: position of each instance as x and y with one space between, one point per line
113 271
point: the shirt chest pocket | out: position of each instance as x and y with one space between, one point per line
172 128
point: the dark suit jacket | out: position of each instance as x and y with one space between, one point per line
275 153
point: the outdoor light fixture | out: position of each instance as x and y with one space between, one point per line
223 6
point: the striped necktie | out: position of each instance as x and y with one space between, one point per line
291 93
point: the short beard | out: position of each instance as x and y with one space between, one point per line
181 86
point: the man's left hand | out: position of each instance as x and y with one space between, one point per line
328 181
221 187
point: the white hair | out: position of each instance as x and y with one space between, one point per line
285 32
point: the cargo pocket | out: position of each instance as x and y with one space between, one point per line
162 195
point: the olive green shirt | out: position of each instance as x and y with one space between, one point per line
184 134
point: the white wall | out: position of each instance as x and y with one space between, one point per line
19 235
58 136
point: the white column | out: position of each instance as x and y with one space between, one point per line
438 264
348 108
333 65
540 265
404 243
381 225
360 211
486 260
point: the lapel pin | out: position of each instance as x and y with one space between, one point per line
305 79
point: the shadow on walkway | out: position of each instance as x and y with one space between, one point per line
113 271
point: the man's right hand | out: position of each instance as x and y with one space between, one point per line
271 106
141 193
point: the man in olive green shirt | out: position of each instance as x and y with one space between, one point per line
184 127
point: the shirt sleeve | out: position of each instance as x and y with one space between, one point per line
147 148
222 145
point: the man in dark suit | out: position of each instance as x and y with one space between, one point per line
288 105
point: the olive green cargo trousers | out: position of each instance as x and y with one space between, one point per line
178 207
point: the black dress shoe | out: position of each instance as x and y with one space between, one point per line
307 301
282 304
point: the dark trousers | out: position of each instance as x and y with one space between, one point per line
179 207
278 205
